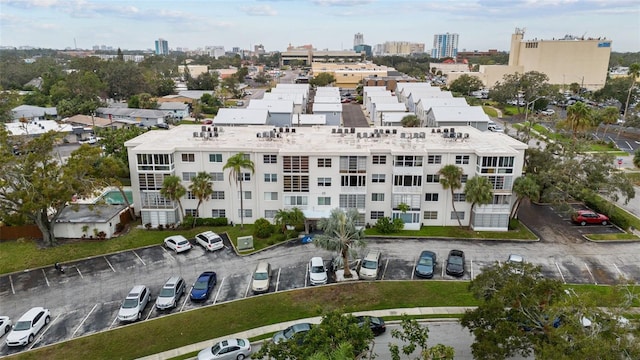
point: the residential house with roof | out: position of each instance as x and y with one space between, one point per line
33 113
383 99
445 116
392 118
241 117
425 103
366 98
403 90
174 110
299 107
332 112
326 99
38 127
310 120
131 116
280 111
379 109
416 95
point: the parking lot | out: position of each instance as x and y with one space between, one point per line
86 298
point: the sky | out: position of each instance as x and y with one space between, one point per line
325 24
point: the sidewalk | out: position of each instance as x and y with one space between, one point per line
314 320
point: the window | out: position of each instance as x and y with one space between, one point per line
460 197
431 197
295 164
157 162
217 176
408 160
407 180
377 215
191 212
324 200
378 178
271 195
246 195
218 213
247 213
379 159
215 158
496 164
430 215
433 178
190 195
245 176
501 199
295 200
296 183
270 177
377 197
463 178
460 215
324 163
187 176
348 201
324 181
462 159
217 195
270 159
270 214
151 181
434 159
188 157
353 164
353 180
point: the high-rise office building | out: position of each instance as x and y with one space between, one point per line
162 47
444 45
358 39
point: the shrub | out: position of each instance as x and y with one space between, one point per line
262 228
119 227
387 226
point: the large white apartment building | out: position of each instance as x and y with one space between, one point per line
319 168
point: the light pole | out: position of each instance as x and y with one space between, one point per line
526 115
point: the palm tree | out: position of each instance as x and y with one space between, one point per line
634 73
172 189
341 235
236 164
524 187
201 187
410 121
608 116
294 217
450 178
578 117
478 191
636 158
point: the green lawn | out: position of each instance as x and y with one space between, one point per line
521 233
634 177
490 111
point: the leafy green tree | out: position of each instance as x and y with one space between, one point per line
450 178
173 190
123 79
636 158
524 187
478 191
262 228
606 116
142 101
530 85
37 186
230 84
204 81
112 141
322 79
634 73
465 84
201 187
415 337
262 78
236 164
341 234
111 170
8 100
578 117
410 121
293 217
385 225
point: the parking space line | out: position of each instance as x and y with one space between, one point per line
415 262
139 258
109 263
560 272
78 270
13 290
44 331
306 275
246 292
45 277
618 270
278 279
185 299
386 264
83 320
165 250
471 269
113 322
444 265
218 292
148 315
592 278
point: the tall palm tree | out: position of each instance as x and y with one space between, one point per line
524 187
578 117
608 116
477 191
201 187
451 178
236 164
172 189
634 73
341 235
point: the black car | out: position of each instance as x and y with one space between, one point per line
376 324
425 265
455 263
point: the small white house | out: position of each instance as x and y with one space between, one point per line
394 118
425 104
332 112
241 117
299 106
415 96
280 111
458 116
383 108
88 220
175 110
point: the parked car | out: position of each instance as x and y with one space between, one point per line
164 126
291 331
5 325
134 304
455 263
177 243
317 271
170 293
547 112
229 349
201 289
426 264
209 240
370 265
261 278
28 326
584 217
376 324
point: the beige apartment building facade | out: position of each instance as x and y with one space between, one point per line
349 76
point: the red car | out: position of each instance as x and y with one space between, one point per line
584 217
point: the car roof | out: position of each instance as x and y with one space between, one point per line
372 255
516 258
31 313
455 252
206 274
176 237
316 260
209 234
301 326
427 252
262 266
172 281
136 290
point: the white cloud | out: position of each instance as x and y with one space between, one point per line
259 10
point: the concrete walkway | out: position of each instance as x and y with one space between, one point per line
423 311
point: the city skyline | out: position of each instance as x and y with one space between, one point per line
326 24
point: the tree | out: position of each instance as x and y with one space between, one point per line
322 79
36 186
415 338
524 187
293 217
201 187
636 158
112 141
634 73
450 178
204 81
236 164
341 234
230 85
530 85
173 190
465 84
478 191
410 121
607 116
578 117
111 170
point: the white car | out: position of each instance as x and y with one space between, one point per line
177 243
28 326
210 240
5 325
317 271
370 265
230 349
133 305
547 112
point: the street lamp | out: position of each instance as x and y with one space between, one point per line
526 114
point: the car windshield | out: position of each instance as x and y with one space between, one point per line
200 284
317 269
288 333
425 262
183 242
130 303
22 325
260 276
166 292
455 260
369 264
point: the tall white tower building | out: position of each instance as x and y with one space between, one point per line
445 45
358 39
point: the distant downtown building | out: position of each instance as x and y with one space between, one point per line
444 45
358 39
162 47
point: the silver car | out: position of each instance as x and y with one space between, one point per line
230 349
170 293
261 278
5 325
134 304
28 326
